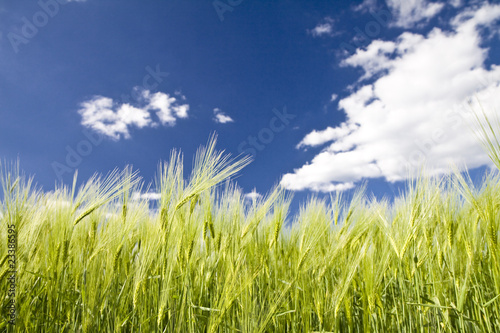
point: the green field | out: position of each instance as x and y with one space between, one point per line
96 259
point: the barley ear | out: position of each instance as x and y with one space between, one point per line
135 298
117 257
85 214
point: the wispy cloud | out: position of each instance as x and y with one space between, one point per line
323 29
366 5
254 195
317 138
221 118
115 119
408 13
145 196
415 112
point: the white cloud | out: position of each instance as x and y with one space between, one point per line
114 120
102 115
316 138
133 116
333 97
254 195
221 118
323 29
146 196
366 5
181 111
407 13
167 108
374 59
414 113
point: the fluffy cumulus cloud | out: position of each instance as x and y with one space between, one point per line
221 118
114 119
411 108
167 108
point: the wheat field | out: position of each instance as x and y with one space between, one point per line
95 258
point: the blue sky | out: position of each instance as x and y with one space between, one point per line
326 95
